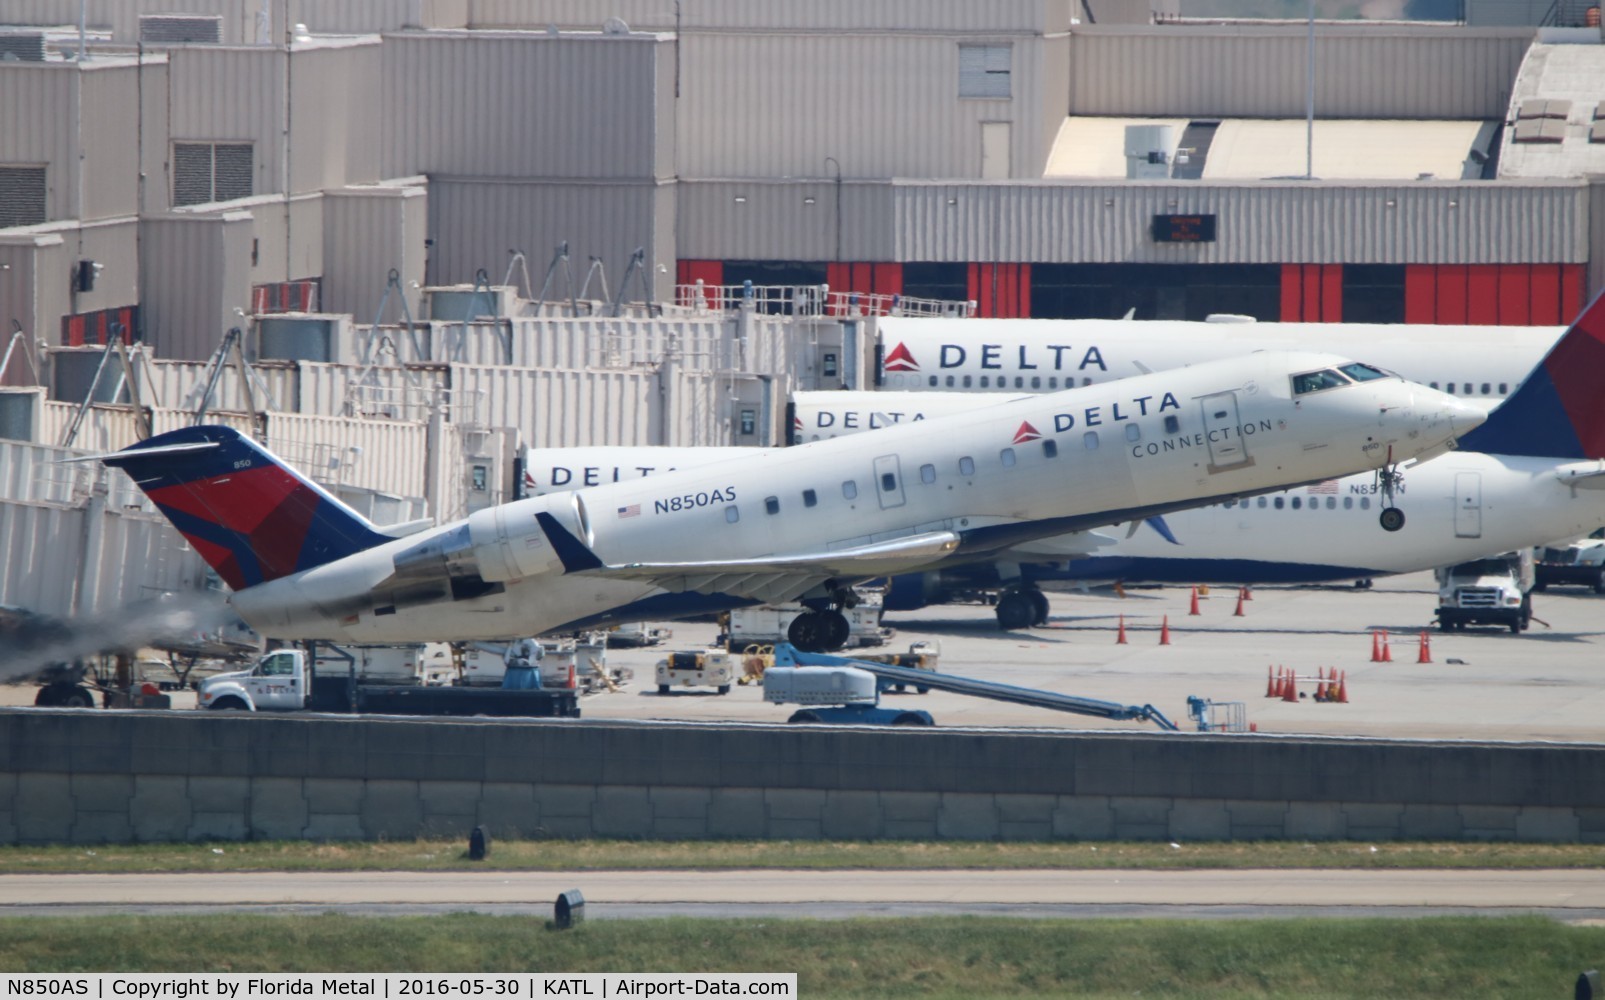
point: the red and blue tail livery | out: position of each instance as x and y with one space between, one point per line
1558 412
249 516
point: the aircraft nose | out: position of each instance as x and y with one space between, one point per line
1463 415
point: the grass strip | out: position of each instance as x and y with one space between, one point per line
581 855
926 957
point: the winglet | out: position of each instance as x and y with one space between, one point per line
570 550
1559 411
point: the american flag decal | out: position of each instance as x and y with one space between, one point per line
633 510
1325 486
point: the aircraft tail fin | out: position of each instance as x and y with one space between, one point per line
1559 411
251 517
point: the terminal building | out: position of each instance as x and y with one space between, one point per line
447 229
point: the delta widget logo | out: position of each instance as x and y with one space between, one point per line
1026 433
900 360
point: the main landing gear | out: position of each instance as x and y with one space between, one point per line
823 628
1021 607
1389 480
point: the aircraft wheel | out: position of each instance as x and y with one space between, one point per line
1015 611
803 716
45 697
229 704
909 719
840 629
724 689
1599 583
814 632
1445 626
1392 519
663 689
77 697
1039 606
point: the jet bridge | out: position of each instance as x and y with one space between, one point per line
787 655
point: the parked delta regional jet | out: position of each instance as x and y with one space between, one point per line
1044 355
1546 483
798 523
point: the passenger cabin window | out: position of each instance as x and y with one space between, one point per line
1019 382
1486 388
1504 389
927 474
967 381
1261 504
850 490
1050 448
1053 381
1297 503
888 482
1331 503
966 466
1278 503
810 498
1172 424
1089 440
1309 382
771 505
950 381
983 381
1348 503
1133 432
933 382
1365 503
732 514
1006 456
1466 389
1036 381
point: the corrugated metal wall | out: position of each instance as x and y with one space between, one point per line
824 15
197 272
37 117
1252 72
1263 222
523 104
140 557
121 17
108 131
552 408
376 454
476 220
367 232
883 105
1260 222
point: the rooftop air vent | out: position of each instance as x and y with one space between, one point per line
179 29
19 46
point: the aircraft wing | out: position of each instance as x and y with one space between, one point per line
775 579
1075 545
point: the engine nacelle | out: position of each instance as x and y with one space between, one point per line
493 545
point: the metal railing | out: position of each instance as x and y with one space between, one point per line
812 300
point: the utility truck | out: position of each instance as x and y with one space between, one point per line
1579 564
280 681
1492 591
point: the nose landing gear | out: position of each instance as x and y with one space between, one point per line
1390 481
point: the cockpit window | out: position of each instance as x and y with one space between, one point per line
1326 378
1362 373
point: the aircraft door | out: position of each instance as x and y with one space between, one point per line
1468 505
889 481
1227 448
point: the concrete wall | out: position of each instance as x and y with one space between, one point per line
108 777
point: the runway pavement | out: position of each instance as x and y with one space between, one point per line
1572 895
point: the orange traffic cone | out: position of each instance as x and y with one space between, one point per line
1270 682
1193 609
1343 689
1290 692
1320 687
1239 612
571 683
1164 631
1247 594
1376 646
1387 654
1425 656
1120 637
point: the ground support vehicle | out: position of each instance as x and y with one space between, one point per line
637 634
715 668
281 682
1492 591
840 687
578 663
796 624
1580 564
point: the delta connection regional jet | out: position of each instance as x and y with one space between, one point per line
802 523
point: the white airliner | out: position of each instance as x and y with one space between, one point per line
801 523
1044 355
1547 483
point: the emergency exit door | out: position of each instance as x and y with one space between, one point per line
1468 505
